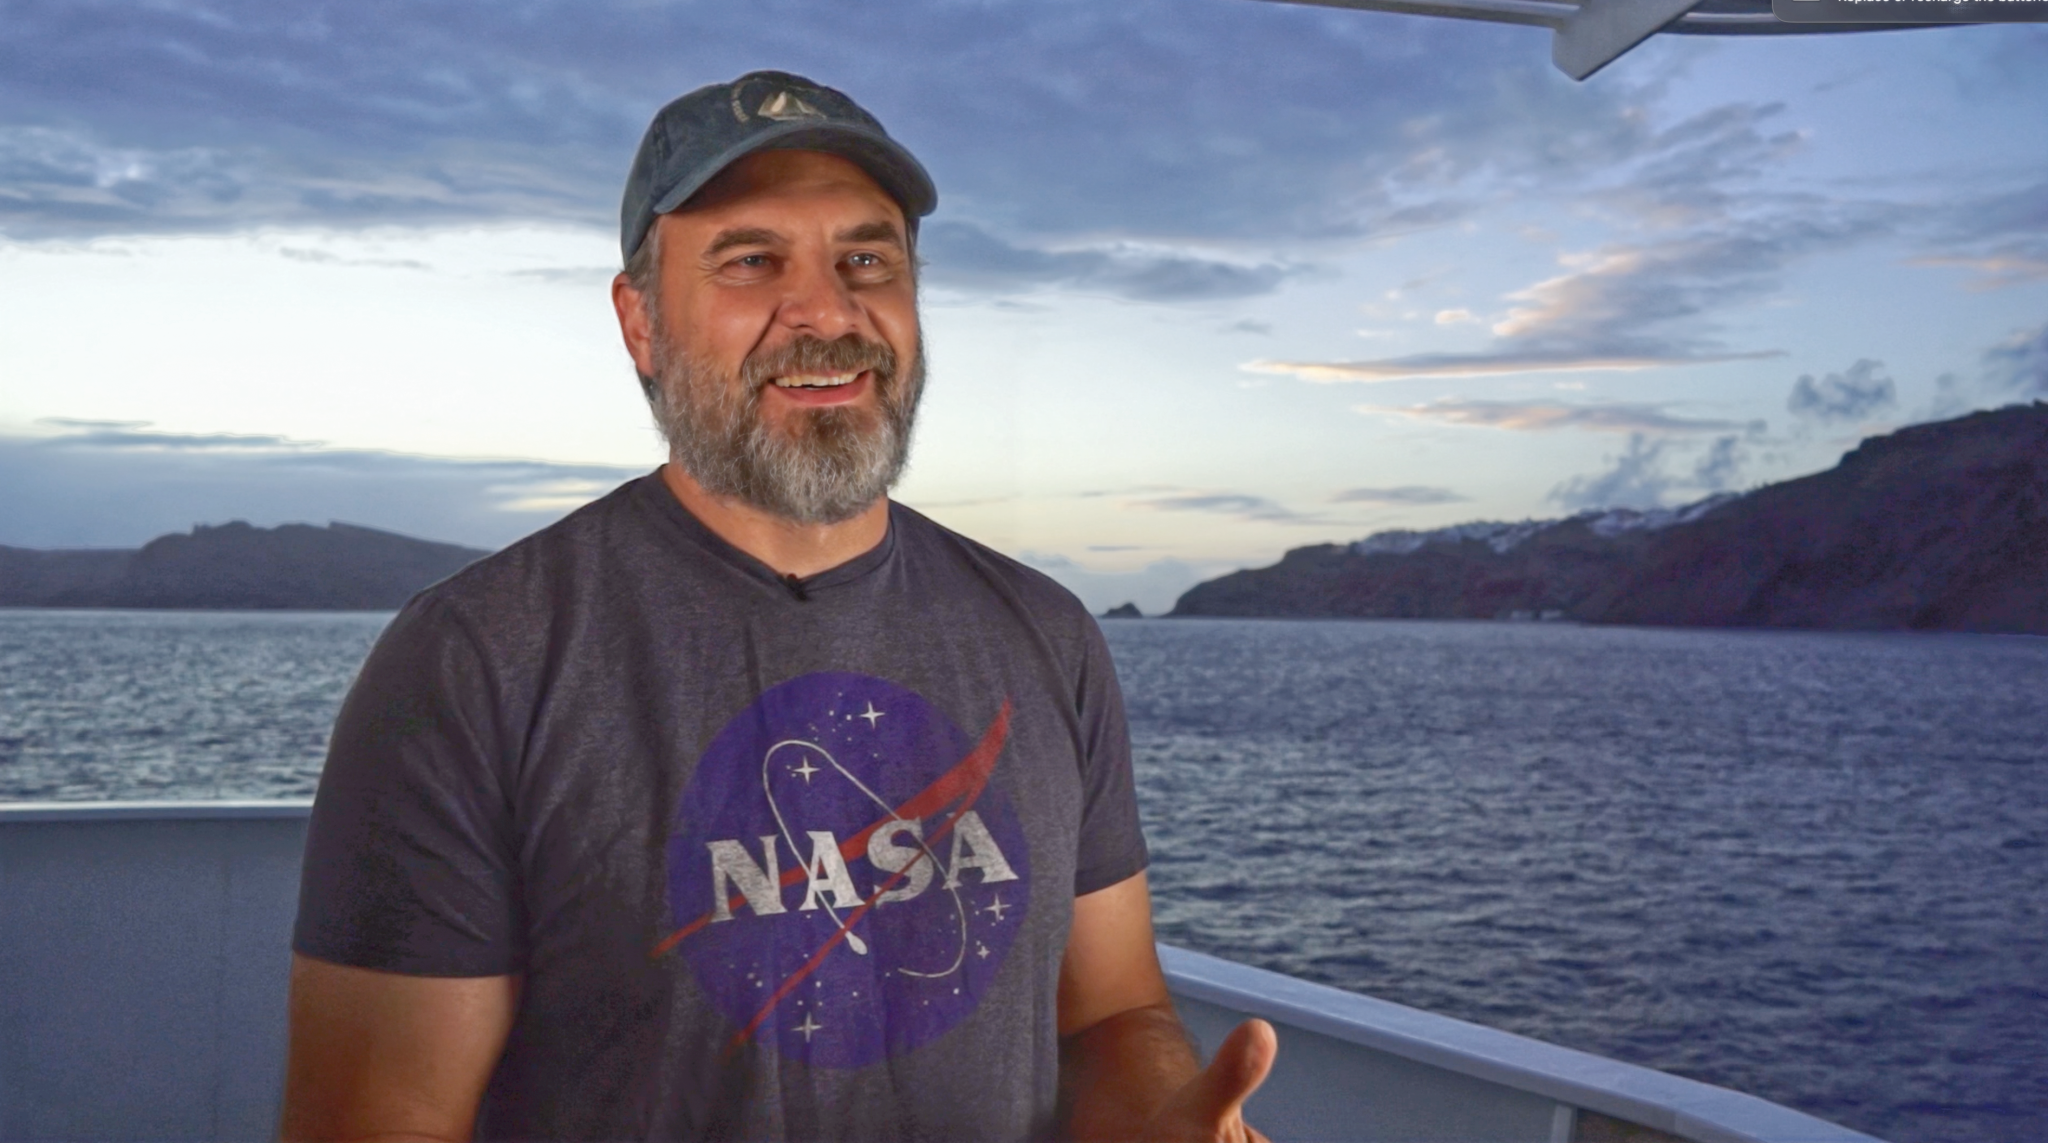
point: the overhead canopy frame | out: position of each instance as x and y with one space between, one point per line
1590 34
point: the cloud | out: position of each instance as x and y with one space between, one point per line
1546 416
1481 365
964 256
1851 395
1646 299
922 504
1636 480
2002 236
579 275
1951 398
1703 238
1163 118
88 423
1608 296
1641 476
132 435
2009 267
71 183
328 258
1625 306
1722 465
1140 137
2020 364
2014 367
1059 125
98 486
1704 168
1405 496
1237 504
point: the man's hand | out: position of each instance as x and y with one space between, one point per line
1210 1107
1127 1069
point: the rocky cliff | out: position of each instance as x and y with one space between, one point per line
1936 527
236 566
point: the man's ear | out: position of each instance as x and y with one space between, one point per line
634 324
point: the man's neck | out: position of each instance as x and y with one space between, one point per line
788 547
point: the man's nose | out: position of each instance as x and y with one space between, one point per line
818 302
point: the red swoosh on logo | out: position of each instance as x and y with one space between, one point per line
964 780
740 1038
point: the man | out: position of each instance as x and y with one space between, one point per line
744 803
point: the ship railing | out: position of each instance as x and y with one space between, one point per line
144 961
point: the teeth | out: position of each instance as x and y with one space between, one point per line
815 381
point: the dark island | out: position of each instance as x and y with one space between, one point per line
1938 527
294 567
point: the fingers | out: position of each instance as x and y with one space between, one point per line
1241 1064
1250 1050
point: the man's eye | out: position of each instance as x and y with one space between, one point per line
865 261
751 261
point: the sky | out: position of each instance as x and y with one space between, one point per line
1208 280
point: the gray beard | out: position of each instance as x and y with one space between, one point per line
829 466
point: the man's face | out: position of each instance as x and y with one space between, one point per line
783 339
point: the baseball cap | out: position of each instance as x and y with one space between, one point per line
706 131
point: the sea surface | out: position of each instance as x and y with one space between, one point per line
1809 866
172 704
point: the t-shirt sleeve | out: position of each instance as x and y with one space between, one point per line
411 863
1112 841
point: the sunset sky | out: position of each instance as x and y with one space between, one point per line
1209 279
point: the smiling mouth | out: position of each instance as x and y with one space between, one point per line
815 380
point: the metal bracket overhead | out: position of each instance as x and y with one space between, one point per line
1590 34
1601 30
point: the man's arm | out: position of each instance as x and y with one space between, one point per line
1127 1069
379 1055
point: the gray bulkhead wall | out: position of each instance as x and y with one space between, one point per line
143 967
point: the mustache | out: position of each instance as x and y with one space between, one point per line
850 353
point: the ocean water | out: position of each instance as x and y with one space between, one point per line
1813 867
172 704
1809 866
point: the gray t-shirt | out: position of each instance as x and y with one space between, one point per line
777 860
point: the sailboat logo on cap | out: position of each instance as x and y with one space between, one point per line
782 106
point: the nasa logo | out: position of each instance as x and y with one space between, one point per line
846 880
